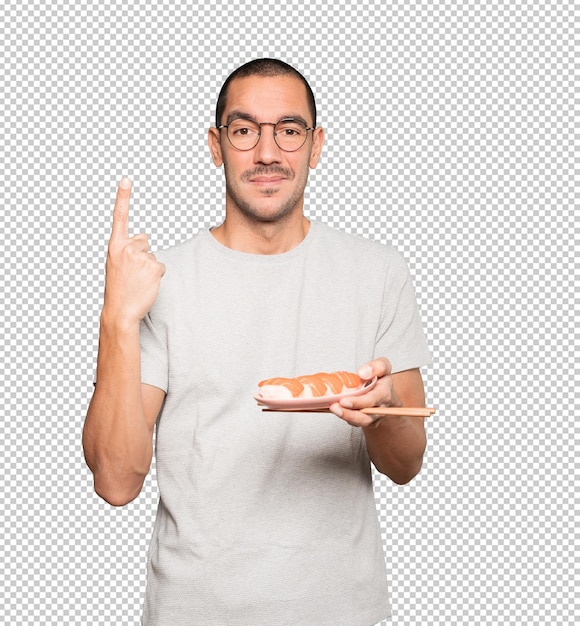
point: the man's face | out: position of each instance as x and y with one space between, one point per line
266 183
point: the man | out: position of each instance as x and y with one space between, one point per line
264 518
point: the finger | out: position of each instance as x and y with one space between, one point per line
354 418
139 243
376 397
379 395
160 266
120 229
377 367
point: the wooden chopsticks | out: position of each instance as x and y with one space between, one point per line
375 410
424 411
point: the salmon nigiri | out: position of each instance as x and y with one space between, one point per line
280 387
310 386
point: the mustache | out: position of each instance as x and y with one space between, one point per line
270 170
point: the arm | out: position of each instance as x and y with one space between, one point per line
395 444
118 430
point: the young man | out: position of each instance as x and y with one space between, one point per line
264 518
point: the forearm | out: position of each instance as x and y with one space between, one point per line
116 438
396 443
396 446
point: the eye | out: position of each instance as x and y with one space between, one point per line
290 129
243 129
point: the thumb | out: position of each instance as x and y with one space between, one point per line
377 367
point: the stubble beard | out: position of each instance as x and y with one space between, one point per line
271 214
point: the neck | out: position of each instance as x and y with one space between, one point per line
259 237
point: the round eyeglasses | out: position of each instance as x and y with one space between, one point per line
289 134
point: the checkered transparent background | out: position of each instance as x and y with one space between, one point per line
449 133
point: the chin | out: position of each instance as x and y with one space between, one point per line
273 213
266 206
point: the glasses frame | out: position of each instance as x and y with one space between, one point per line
273 124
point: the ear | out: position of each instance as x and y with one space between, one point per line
215 146
317 143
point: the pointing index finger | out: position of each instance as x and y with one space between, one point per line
120 227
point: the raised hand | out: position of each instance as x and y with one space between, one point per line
133 273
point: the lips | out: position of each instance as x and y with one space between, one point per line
267 180
273 175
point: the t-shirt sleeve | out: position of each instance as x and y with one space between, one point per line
154 358
400 337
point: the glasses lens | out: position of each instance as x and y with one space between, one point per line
290 134
243 134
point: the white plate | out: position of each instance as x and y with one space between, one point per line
305 404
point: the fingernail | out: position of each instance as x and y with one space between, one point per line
336 410
125 182
347 404
365 372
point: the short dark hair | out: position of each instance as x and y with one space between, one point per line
263 67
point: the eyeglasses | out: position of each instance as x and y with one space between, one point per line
289 134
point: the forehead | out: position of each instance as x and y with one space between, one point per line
268 98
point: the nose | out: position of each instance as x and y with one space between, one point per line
267 150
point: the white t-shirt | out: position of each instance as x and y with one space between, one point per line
269 518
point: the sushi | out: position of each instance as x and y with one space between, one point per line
310 386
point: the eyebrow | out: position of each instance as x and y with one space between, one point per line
242 115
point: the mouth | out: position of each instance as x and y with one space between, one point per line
267 180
